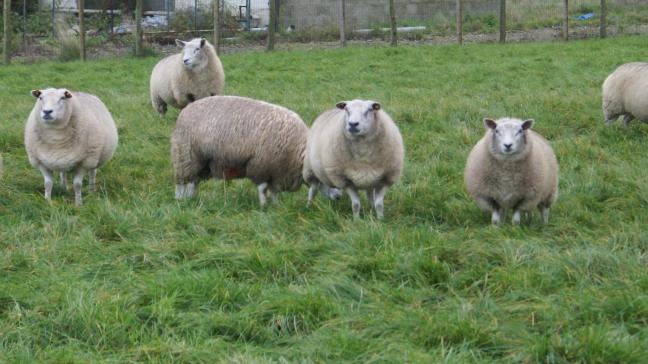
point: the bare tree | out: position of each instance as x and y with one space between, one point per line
392 19
342 22
459 22
216 25
6 38
566 21
271 26
82 40
502 21
138 22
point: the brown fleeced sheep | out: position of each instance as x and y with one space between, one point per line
69 132
625 92
356 146
512 167
181 78
228 137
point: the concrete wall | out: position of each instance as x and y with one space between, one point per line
305 14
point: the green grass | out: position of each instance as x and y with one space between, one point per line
134 276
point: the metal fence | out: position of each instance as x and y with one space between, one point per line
50 28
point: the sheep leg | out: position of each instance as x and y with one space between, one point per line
331 193
180 191
191 189
544 212
92 179
627 118
355 200
273 196
77 183
63 180
160 106
378 201
311 192
516 217
263 187
49 181
495 217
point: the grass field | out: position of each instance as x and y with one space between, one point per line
134 276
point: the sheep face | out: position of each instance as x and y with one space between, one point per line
52 106
194 55
359 117
509 136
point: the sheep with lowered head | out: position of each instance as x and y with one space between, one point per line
185 77
229 137
512 167
69 132
625 92
355 146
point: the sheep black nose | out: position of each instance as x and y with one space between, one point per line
508 146
353 125
47 112
186 61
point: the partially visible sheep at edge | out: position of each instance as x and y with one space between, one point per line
185 77
625 93
512 167
229 137
356 146
69 132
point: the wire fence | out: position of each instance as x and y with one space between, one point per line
50 28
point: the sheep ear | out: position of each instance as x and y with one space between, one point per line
490 123
180 43
36 93
375 106
67 94
202 42
341 105
527 124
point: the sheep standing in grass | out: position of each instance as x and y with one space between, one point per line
69 132
625 92
354 147
512 167
186 77
230 137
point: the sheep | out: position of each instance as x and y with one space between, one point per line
182 78
625 92
229 137
512 167
69 132
355 146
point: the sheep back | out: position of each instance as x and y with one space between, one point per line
625 91
88 140
230 137
337 161
523 184
172 83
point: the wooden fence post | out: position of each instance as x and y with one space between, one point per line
603 18
342 21
216 40
138 31
6 35
392 20
271 26
82 40
566 21
459 22
502 21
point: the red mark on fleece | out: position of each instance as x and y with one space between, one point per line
233 173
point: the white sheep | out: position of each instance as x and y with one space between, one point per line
512 167
185 77
69 132
625 92
228 137
355 146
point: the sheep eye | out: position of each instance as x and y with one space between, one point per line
519 131
196 50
